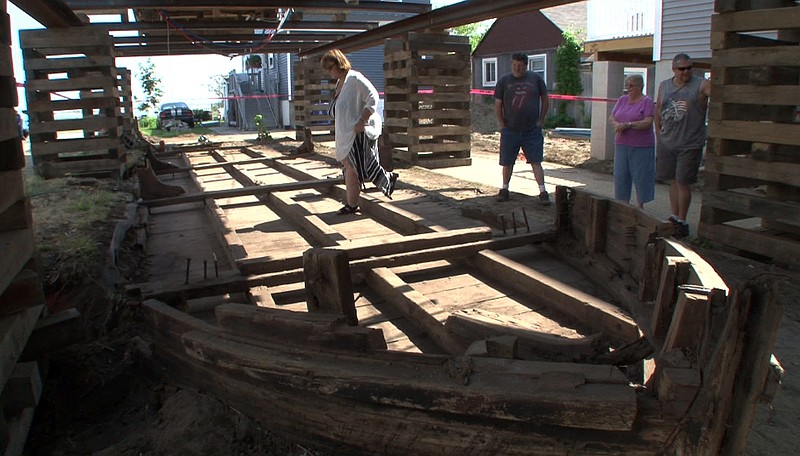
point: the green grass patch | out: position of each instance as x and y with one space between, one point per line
73 220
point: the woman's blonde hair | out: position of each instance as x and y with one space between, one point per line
336 57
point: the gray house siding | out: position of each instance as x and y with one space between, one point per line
504 67
370 63
686 28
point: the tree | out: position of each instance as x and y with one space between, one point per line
150 85
217 84
475 31
568 76
568 60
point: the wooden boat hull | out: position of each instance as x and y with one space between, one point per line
679 361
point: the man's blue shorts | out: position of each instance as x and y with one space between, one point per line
531 142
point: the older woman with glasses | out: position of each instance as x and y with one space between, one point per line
358 126
634 141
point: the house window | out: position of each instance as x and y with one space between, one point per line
629 71
489 72
538 64
270 60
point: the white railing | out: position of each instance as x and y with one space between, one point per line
614 19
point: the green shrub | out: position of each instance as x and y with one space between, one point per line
201 115
148 123
561 119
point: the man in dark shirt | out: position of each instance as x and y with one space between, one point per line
521 106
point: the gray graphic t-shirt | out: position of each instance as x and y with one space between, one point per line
683 119
520 100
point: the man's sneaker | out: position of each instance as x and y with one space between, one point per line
503 195
681 230
544 199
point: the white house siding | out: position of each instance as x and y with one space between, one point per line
686 28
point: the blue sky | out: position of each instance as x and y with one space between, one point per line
183 78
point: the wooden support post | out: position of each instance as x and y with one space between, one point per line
328 285
596 232
674 273
688 322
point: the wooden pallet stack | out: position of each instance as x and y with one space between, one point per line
427 101
21 297
313 92
73 102
125 88
751 200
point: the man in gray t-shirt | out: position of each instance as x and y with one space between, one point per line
521 104
680 121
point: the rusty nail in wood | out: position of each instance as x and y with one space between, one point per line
514 222
525 216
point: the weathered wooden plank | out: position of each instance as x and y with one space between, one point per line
675 271
416 307
14 332
596 232
689 321
25 290
755 131
677 387
66 36
11 190
321 330
244 191
785 173
475 324
69 63
758 56
750 94
787 212
23 389
580 404
371 247
16 248
312 224
86 123
235 282
106 83
588 310
762 19
782 249
62 146
55 332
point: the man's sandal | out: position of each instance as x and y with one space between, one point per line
347 209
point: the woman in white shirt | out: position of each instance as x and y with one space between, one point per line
358 126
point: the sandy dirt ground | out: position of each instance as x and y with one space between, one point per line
102 397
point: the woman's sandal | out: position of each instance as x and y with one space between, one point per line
347 209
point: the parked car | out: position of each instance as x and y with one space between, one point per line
175 111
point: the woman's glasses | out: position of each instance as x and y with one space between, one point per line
686 68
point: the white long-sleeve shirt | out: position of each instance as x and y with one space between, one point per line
357 94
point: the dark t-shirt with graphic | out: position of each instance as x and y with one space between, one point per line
521 102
